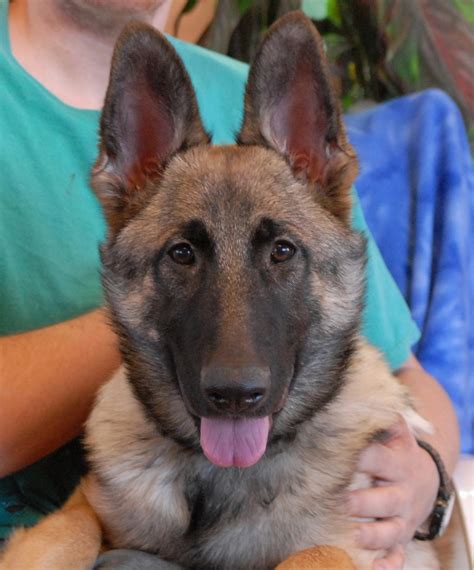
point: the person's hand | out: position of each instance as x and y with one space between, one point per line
405 487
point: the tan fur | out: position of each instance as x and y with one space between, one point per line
327 557
69 539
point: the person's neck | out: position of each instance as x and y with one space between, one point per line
67 48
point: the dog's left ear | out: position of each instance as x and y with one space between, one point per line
290 106
150 113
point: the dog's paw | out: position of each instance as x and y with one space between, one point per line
319 558
132 560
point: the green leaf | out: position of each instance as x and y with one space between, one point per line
466 7
189 6
336 45
334 13
244 5
414 68
315 9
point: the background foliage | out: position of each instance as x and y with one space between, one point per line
379 49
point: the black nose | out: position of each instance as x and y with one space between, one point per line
235 390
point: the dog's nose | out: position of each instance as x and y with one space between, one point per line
235 390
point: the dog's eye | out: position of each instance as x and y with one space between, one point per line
282 251
182 253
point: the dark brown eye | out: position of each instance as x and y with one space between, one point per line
282 251
182 253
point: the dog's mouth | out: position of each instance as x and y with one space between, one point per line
236 442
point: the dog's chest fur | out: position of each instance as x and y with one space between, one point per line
154 495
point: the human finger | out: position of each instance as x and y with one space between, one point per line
393 560
383 534
382 458
376 502
380 461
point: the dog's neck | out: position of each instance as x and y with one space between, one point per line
67 45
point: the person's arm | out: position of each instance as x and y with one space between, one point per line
407 478
433 403
48 380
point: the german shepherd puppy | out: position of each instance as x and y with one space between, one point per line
236 286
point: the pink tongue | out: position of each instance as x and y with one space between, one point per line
227 442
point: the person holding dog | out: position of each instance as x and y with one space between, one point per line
57 347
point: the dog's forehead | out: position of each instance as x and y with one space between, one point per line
230 186
230 190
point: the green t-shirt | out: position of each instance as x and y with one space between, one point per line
51 225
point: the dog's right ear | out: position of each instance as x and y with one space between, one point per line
150 113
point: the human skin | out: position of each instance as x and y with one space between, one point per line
65 44
407 478
48 379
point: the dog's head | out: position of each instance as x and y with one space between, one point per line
233 277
